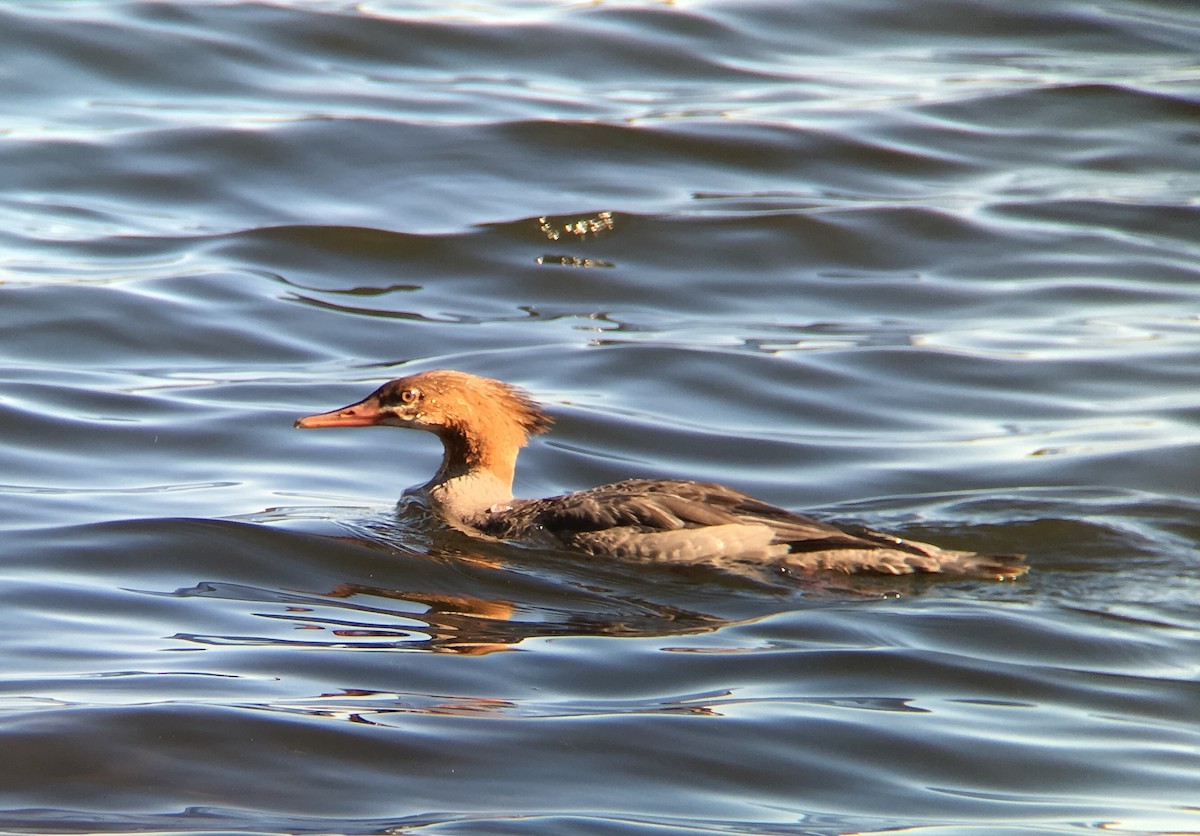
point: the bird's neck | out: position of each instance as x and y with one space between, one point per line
477 470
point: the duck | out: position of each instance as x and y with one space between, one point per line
484 423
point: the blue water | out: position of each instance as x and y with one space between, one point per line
928 266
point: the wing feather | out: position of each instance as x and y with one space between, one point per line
694 522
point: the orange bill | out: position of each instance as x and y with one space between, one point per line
365 413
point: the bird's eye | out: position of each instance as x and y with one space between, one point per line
410 396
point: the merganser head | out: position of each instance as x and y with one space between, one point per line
470 412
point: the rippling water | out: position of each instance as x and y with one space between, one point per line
931 266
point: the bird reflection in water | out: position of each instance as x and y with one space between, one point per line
356 615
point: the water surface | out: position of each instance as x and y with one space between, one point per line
929 267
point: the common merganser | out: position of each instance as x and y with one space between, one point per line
483 423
